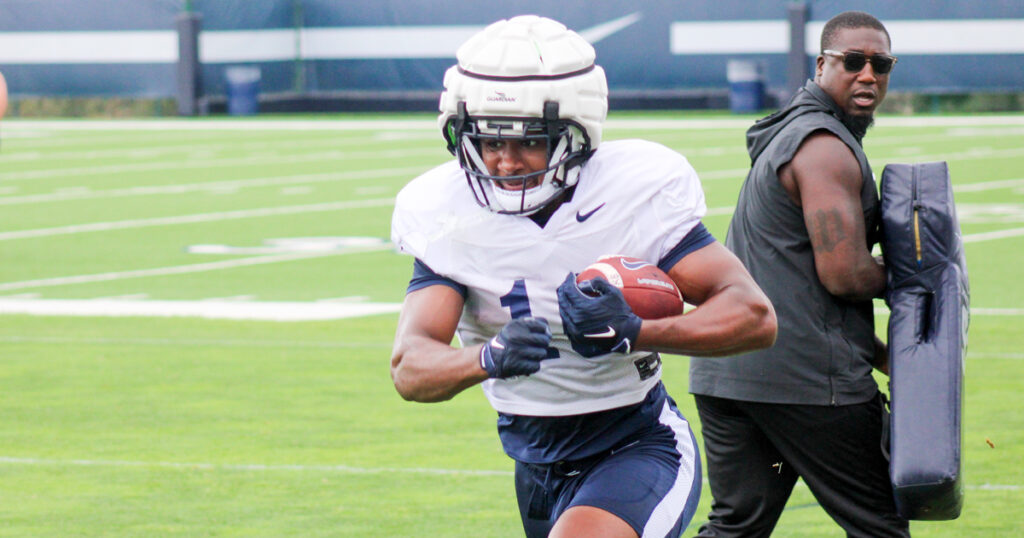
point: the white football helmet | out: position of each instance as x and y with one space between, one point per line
525 77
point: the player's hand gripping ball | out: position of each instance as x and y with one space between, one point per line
650 293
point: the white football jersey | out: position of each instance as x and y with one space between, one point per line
634 197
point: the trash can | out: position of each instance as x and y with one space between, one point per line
243 88
746 86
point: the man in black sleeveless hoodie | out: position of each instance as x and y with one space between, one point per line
805 223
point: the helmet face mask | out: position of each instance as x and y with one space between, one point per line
524 79
567 146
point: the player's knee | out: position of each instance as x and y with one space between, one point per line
590 522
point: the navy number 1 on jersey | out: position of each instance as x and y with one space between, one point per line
518 304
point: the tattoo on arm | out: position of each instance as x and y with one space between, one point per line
826 230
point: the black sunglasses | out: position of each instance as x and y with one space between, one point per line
854 61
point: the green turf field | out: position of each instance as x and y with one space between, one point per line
274 415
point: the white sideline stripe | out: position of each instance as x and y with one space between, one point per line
881 141
732 173
989 185
348 469
205 163
1009 356
253 467
191 342
300 179
193 124
997 311
974 153
197 218
720 211
26 153
208 309
975 311
988 236
179 269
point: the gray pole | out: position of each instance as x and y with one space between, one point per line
189 69
797 71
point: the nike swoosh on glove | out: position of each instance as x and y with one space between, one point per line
517 349
596 317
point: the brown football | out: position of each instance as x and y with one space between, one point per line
648 290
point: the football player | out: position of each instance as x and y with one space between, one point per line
533 197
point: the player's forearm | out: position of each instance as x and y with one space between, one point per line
428 371
734 321
860 280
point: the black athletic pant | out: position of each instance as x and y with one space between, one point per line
756 451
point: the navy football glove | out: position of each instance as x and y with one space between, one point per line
596 317
517 349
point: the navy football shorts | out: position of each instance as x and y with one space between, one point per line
652 483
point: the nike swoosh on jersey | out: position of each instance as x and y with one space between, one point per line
610 333
580 217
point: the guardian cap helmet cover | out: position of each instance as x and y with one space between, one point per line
524 78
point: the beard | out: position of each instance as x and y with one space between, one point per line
859 124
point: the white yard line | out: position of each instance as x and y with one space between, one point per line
200 124
720 211
214 186
989 185
989 236
189 342
204 163
133 151
1004 356
207 308
196 218
180 269
48 140
997 311
875 142
715 175
975 311
949 121
347 469
973 153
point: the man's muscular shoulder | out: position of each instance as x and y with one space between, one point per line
822 157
